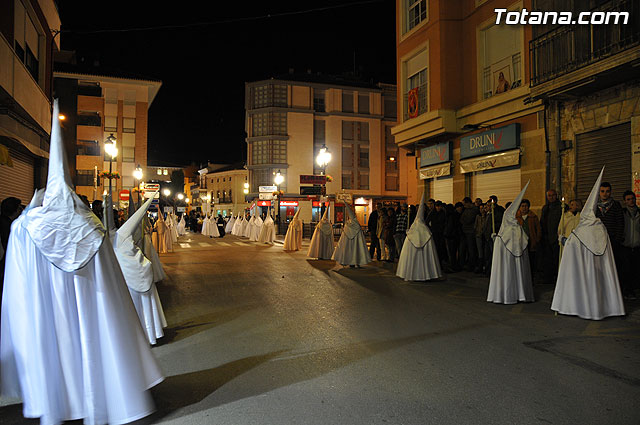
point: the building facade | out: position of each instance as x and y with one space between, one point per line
96 107
465 104
29 36
289 119
222 190
589 80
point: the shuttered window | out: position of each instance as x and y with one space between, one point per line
608 146
442 189
504 183
18 180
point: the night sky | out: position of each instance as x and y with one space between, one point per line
198 114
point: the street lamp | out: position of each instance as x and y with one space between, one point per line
112 150
137 175
180 196
246 188
278 179
323 159
166 192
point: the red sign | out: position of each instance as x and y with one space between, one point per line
412 102
319 204
288 203
309 179
264 203
124 195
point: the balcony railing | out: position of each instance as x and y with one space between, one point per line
422 106
569 47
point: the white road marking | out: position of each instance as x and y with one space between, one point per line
185 245
204 244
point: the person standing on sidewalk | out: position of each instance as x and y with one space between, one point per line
382 219
631 245
494 219
389 230
401 228
569 221
549 220
373 232
468 250
610 213
479 225
529 222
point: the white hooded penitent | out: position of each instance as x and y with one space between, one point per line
587 284
268 230
352 247
293 238
419 257
510 279
71 347
322 244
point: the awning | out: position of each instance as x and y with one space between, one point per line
35 150
488 162
438 170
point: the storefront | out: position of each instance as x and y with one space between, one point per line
288 210
363 210
435 169
491 162
263 208
316 210
17 174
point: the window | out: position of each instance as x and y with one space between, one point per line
500 59
128 125
415 12
88 147
230 196
269 124
391 183
318 100
362 131
363 181
347 180
363 103
363 157
89 88
111 124
165 172
347 101
26 40
265 176
347 156
415 97
269 95
128 154
347 130
85 178
355 155
390 107
91 119
159 172
269 152
318 142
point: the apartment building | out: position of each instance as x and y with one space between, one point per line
223 190
29 35
291 117
465 104
589 79
98 104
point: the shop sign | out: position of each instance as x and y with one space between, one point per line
310 190
264 203
491 141
435 154
265 196
319 204
344 198
168 209
265 189
311 179
488 162
150 189
439 170
288 203
181 209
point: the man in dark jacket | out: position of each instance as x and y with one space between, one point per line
549 220
438 223
610 212
373 228
494 218
468 248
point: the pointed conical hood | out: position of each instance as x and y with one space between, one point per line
65 231
419 233
108 220
590 230
325 216
134 221
352 226
511 232
295 217
325 224
132 207
268 220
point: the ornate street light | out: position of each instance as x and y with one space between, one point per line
137 175
180 196
278 179
323 159
112 150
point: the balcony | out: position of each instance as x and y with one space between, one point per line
422 105
567 48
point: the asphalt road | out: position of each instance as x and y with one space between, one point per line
260 336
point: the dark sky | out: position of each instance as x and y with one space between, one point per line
198 114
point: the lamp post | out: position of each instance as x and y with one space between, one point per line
112 150
137 175
323 159
278 179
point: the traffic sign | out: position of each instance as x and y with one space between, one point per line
124 195
267 189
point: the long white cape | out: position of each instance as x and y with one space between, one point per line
268 230
229 226
510 279
419 258
587 284
352 247
237 226
71 345
322 243
256 226
182 226
293 238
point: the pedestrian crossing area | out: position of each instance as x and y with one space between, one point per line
198 242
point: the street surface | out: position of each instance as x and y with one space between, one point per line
260 336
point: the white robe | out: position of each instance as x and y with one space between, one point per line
293 238
322 243
246 228
205 226
237 226
256 226
267 231
419 258
72 346
182 227
352 247
229 227
510 280
171 222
